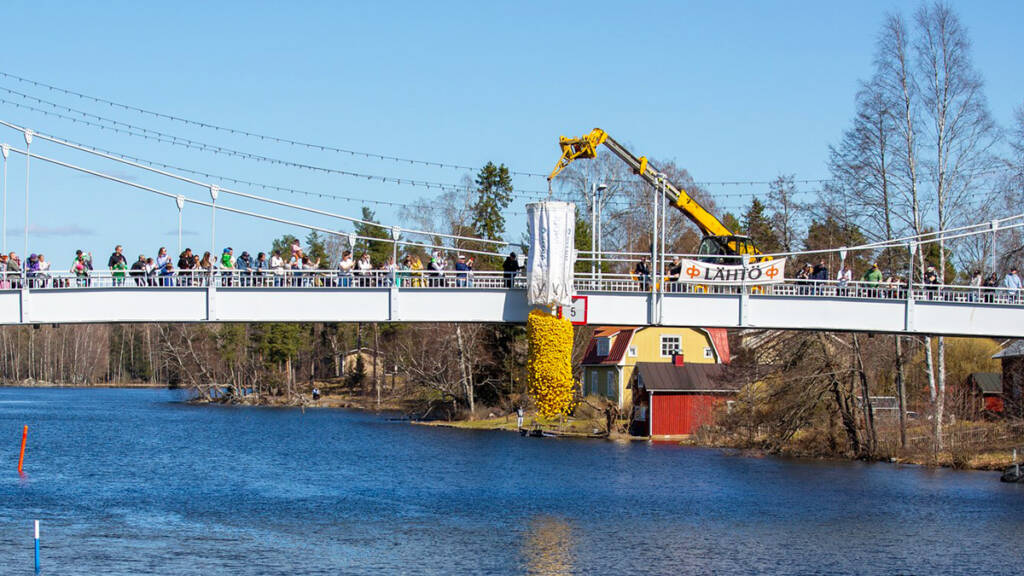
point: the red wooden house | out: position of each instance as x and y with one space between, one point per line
677 399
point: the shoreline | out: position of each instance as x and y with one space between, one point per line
591 429
108 385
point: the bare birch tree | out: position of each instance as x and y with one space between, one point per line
961 135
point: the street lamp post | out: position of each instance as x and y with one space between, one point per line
5 149
180 202
28 156
595 227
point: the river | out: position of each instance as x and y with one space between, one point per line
137 482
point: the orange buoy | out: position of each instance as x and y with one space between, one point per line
21 459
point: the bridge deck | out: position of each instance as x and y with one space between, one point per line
612 300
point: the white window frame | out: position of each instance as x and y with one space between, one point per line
632 352
604 346
708 352
594 375
678 347
611 385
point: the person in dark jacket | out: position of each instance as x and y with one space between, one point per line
244 267
511 268
138 271
117 258
462 270
643 273
187 263
675 270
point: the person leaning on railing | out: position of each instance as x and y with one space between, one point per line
117 262
187 265
4 282
872 278
1013 284
138 271
43 273
345 267
416 269
675 270
931 282
510 268
244 267
259 269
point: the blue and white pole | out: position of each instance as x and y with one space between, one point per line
37 546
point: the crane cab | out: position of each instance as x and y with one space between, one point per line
724 249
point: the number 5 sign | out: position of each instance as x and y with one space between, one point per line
577 312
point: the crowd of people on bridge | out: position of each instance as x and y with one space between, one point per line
292 268
812 278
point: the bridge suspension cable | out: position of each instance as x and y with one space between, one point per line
240 132
230 179
215 206
207 185
145 133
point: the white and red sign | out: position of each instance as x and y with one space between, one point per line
767 272
576 312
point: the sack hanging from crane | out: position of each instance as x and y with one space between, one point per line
552 257
549 284
719 245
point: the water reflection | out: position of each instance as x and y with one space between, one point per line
548 547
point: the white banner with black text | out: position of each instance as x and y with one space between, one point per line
767 272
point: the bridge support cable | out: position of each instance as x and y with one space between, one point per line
214 206
233 131
207 185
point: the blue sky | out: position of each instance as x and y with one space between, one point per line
731 91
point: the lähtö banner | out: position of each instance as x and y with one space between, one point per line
768 272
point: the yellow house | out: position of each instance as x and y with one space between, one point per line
614 351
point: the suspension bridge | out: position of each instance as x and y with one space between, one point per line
29 298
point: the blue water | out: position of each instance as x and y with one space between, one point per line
136 482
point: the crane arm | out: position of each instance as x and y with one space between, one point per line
586 147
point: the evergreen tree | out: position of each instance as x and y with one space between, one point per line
494 189
316 249
732 223
380 250
831 234
283 246
759 228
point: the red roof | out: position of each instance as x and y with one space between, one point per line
620 343
720 340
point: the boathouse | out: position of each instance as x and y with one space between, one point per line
676 399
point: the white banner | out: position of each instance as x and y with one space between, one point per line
549 270
768 272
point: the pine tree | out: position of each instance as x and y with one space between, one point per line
494 189
379 250
759 228
283 246
316 250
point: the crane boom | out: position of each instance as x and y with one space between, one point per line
718 238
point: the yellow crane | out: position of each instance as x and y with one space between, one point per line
718 244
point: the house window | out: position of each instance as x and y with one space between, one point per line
708 352
632 351
671 345
592 388
611 389
603 346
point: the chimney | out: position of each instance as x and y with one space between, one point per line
677 359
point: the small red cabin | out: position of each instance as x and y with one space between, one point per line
982 395
676 399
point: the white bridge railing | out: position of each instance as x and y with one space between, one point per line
491 296
263 278
450 279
